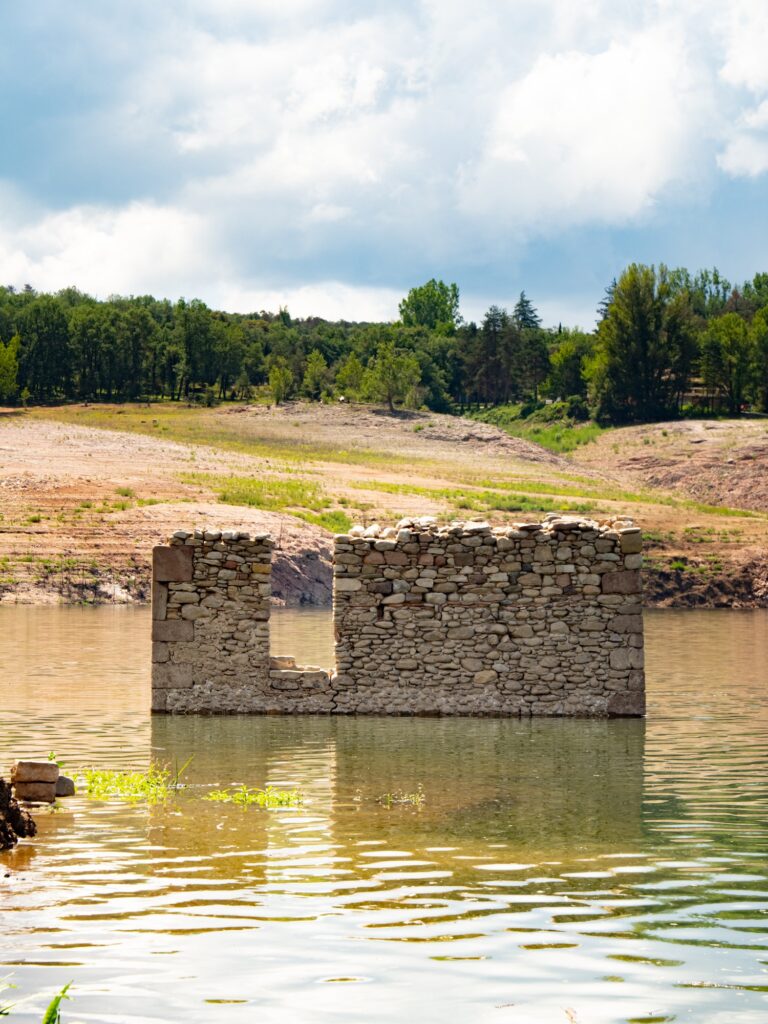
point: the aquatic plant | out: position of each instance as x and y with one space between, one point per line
154 785
5 1008
53 1014
399 798
246 797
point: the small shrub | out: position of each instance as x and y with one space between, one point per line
125 492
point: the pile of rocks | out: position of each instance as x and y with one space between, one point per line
39 782
535 618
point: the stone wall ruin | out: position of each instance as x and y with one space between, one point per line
463 619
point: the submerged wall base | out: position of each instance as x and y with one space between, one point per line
533 619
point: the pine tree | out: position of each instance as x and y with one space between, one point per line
524 314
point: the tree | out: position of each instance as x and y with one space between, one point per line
315 376
568 364
349 376
434 305
524 314
605 303
9 369
280 380
489 358
391 374
728 360
645 350
46 364
759 333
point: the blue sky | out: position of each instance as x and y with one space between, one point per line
330 154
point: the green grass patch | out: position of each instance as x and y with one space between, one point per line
547 427
464 499
297 496
125 492
244 796
336 521
272 493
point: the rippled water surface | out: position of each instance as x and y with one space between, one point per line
557 871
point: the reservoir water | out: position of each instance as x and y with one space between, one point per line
574 872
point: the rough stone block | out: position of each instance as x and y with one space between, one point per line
173 631
172 565
344 585
623 658
159 700
160 653
631 541
35 792
626 624
622 582
627 704
170 676
34 771
159 600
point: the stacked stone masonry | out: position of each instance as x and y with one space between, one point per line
465 619
210 631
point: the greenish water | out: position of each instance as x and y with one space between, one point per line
558 871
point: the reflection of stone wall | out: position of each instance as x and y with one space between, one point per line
210 630
556 786
535 619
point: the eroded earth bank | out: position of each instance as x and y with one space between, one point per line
85 493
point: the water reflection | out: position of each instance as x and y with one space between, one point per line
558 870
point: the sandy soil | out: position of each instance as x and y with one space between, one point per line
430 436
718 462
49 470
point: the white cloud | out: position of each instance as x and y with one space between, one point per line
745 27
133 249
144 249
591 136
297 142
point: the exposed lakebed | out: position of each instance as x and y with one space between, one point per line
588 871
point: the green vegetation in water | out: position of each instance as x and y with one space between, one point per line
246 797
399 798
154 785
52 1013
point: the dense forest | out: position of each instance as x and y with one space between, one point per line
666 342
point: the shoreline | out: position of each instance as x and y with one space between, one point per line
744 587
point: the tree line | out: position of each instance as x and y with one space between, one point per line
666 340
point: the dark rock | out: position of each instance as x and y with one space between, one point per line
65 786
15 823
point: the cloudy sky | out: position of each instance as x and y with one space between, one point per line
330 154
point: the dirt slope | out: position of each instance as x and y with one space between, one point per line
82 505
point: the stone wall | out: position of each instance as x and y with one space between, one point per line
533 619
210 630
